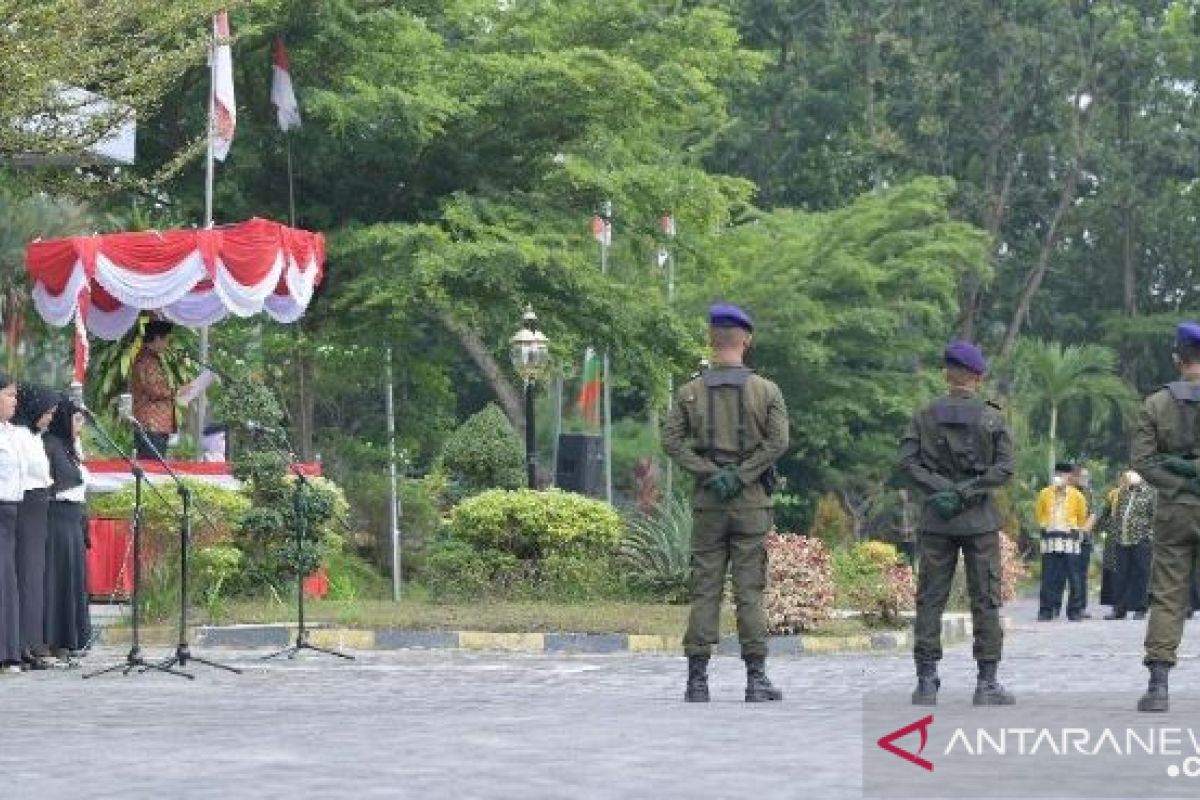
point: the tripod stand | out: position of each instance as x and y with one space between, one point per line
133 659
183 653
301 528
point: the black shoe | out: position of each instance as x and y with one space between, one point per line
1139 615
1154 701
1116 615
1074 618
759 688
988 691
1043 617
928 684
697 682
35 663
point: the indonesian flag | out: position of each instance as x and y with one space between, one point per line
588 403
224 110
602 230
283 96
82 351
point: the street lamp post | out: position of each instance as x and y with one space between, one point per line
530 350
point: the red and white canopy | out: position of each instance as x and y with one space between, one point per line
191 277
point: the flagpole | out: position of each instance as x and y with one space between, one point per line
670 482
606 214
209 170
291 187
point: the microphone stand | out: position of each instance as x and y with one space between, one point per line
183 653
133 658
301 531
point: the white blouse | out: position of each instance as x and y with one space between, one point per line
12 469
36 472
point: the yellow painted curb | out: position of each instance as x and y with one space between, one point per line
482 640
652 643
340 638
836 644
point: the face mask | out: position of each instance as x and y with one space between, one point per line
1058 481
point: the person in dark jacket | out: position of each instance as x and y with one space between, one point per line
68 624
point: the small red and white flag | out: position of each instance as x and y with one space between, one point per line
602 230
283 96
224 109
667 224
82 351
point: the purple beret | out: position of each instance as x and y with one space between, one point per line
966 355
1187 333
725 315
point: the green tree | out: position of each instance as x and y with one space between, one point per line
1049 375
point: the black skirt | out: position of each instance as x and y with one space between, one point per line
10 608
31 566
67 621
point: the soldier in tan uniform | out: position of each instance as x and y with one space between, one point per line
727 428
1166 449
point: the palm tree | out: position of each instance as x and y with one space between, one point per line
1048 375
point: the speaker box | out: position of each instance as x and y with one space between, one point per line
580 466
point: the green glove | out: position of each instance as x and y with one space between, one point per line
725 483
947 504
1180 466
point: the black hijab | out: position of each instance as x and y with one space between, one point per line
60 446
32 403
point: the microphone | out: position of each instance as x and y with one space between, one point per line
125 406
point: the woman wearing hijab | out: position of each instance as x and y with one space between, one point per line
11 493
68 626
35 407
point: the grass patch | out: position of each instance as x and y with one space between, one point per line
498 617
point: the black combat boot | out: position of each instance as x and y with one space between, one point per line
988 691
697 683
1155 698
928 684
758 687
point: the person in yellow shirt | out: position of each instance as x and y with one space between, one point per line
1062 514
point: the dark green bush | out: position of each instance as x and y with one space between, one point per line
485 453
527 545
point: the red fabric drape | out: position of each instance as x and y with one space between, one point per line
248 249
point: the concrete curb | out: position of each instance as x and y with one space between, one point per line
955 627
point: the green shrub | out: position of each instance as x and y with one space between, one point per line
350 577
160 515
485 453
656 551
870 579
455 570
831 524
215 567
527 545
532 525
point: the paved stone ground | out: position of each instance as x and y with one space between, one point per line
466 725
